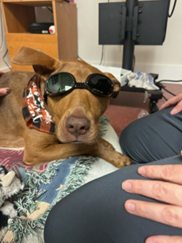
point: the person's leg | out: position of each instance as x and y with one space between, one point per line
153 137
95 213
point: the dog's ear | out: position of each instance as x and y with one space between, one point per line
42 63
116 83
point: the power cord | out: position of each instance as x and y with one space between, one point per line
5 60
49 9
1 28
172 11
164 97
161 86
169 80
102 55
169 91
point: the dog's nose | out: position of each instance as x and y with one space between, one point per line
77 125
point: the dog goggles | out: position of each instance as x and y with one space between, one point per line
63 82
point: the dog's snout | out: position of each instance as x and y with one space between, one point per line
77 125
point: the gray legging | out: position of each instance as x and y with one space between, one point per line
154 137
95 212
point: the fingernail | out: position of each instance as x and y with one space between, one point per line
151 241
129 206
8 91
174 111
126 186
142 170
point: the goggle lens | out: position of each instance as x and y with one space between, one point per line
60 83
64 82
100 84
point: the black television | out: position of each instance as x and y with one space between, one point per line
133 23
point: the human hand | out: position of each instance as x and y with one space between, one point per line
177 101
4 91
166 188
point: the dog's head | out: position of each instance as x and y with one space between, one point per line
77 107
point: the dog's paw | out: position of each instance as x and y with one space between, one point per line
121 160
107 151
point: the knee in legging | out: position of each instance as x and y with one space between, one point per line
129 140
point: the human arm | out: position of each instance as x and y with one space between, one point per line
4 91
177 101
166 187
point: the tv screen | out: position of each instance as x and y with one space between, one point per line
149 23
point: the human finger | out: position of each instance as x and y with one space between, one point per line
4 91
172 101
164 239
158 190
162 213
177 108
171 173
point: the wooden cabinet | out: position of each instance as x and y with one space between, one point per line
19 14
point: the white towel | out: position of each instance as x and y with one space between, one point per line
141 80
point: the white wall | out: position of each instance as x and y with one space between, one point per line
166 60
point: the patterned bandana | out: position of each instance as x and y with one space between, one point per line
34 112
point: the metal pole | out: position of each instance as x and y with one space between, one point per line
129 44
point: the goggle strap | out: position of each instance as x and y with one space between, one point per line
45 97
80 85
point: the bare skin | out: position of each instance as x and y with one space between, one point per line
4 91
177 101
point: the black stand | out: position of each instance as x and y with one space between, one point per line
130 35
133 23
154 97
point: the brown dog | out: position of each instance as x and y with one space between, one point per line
71 127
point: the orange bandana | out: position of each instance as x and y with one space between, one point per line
34 112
